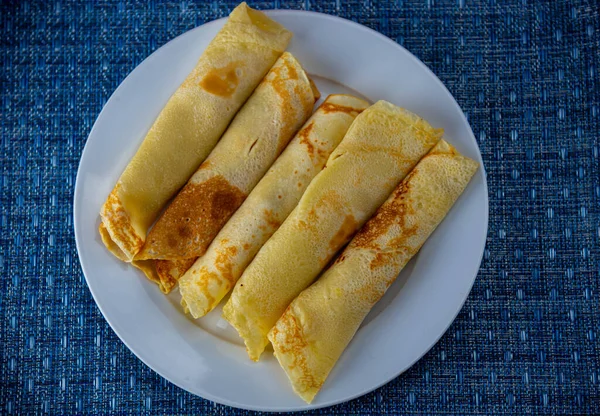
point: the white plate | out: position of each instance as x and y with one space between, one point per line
210 361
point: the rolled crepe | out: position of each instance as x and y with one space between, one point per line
214 274
382 145
318 325
257 135
190 125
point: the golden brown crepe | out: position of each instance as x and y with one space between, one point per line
318 325
382 145
169 271
268 205
256 136
190 125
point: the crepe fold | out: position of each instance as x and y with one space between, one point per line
190 125
315 329
213 275
381 146
257 135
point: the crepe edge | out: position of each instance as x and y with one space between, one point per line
148 267
243 13
290 349
118 226
414 120
247 329
166 281
110 243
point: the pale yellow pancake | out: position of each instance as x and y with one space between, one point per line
318 325
381 146
191 123
268 205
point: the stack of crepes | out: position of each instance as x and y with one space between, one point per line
238 188
313 331
219 132
386 151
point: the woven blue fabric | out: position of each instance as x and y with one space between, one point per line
525 72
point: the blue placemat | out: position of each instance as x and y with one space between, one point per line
525 72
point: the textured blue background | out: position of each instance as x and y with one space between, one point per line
525 72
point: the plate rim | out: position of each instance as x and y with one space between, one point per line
224 401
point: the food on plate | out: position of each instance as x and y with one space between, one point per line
190 125
213 275
303 220
259 132
310 336
380 148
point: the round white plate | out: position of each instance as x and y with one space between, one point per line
203 356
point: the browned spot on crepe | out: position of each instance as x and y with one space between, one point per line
395 247
291 72
305 138
204 278
328 201
192 220
344 233
172 270
224 264
329 107
386 215
393 211
271 219
224 261
279 80
167 282
294 345
222 81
